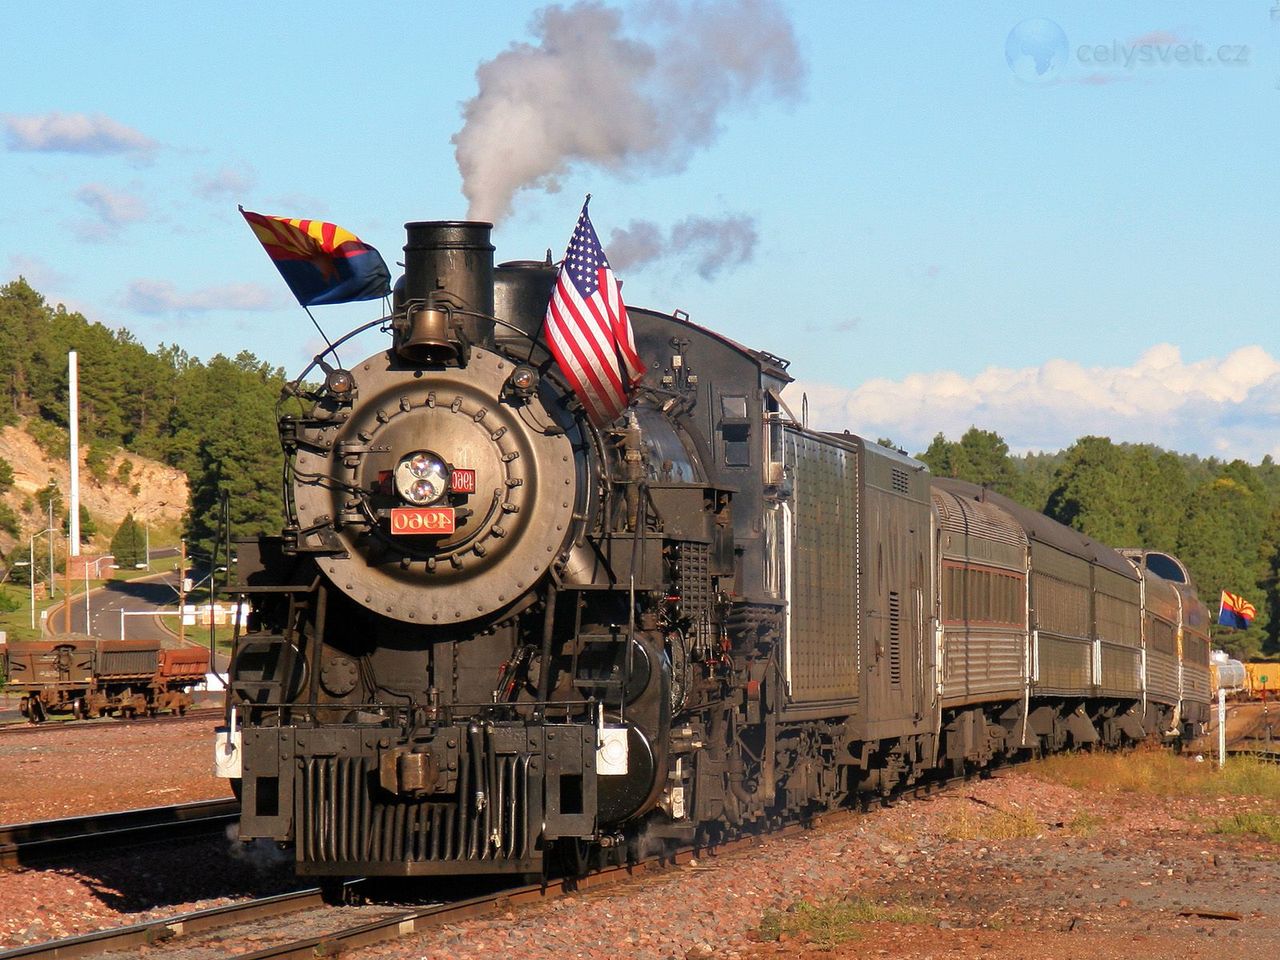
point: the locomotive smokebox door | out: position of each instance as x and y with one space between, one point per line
452 503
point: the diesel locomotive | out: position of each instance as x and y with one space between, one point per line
491 634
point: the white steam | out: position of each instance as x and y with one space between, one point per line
711 244
585 94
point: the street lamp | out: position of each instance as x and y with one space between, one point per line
31 554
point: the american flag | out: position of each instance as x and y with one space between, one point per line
588 329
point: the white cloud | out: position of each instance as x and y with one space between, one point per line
1227 407
225 182
40 275
73 133
113 207
160 297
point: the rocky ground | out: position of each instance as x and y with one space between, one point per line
102 766
1008 867
98 767
1021 865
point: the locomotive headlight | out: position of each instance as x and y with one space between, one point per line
422 478
523 382
340 383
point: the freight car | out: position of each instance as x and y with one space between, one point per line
1261 680
493 634
86 677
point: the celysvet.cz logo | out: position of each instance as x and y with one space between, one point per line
1039 52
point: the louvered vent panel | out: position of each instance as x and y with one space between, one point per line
895 637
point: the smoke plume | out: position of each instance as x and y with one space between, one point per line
586 95
711 244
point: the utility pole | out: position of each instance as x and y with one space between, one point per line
182 592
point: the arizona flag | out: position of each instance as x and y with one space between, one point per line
1235 611
321 262
588 329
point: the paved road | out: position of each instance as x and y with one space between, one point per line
135 596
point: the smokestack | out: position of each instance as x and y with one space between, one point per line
448 276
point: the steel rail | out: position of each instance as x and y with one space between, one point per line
22 844
194 715
155 932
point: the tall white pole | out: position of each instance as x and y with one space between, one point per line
31 556
1222 728
50 532
73 378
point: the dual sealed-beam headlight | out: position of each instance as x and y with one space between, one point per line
422 478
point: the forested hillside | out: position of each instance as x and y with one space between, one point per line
1222 519
214 419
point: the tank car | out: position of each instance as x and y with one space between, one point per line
490 634
1226 673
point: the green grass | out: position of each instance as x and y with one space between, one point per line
832 922
1251 823
17 623
1160 772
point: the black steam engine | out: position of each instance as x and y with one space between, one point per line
490 633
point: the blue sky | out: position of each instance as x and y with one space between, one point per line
869 189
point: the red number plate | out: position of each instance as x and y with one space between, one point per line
462 480
419 520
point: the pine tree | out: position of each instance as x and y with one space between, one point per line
128 546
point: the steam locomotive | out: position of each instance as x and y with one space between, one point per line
491 634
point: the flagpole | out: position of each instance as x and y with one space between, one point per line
533 343
323 337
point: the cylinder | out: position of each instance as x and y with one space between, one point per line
455 256
521 292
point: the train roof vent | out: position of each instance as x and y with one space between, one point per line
901 482
974 518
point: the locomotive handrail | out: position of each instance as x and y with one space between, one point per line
539 710
330 705
318 359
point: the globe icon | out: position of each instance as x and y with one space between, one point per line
1036 50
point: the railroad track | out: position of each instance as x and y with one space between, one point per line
307 924
24 844
304 924
1268 750
197 715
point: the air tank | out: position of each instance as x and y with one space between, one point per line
521 292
